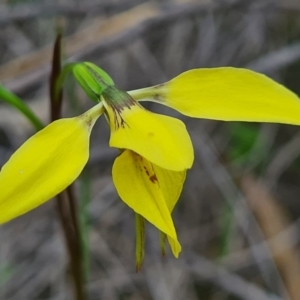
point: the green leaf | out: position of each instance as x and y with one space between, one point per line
16 102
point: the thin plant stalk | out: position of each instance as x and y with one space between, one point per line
66 202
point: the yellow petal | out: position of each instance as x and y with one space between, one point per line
171 190
148 189
172 185
162 140
228 94
45 165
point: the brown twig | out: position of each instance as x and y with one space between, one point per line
273 220
66 202
55 100
63 210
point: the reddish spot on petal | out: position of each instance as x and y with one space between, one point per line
153 178
147 172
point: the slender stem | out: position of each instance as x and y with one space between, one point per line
73 209
155 93
66 202
63 210
55 96
140 241
85 199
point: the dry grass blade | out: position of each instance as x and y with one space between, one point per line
283 158
24 12
273 221
219 276
24 72
30 67
241 211
277 59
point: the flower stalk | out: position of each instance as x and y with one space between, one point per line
66 202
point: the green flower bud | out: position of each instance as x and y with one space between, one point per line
92 79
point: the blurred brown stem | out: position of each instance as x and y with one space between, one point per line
72 240
66 202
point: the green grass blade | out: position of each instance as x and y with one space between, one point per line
17 103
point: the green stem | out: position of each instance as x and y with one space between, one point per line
140 241
154 93
17 103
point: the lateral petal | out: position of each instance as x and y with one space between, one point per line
161 139
228 94
150 191
45 165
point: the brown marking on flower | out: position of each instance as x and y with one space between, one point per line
137 165
89 122
158 98
87 119
158 95
147 172
153 178
118 101
118 120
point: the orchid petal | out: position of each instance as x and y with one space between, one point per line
150 191
227 94
45 164
161 139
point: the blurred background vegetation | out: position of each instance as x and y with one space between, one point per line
238 217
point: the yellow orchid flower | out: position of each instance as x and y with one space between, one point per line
150 172
156 150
